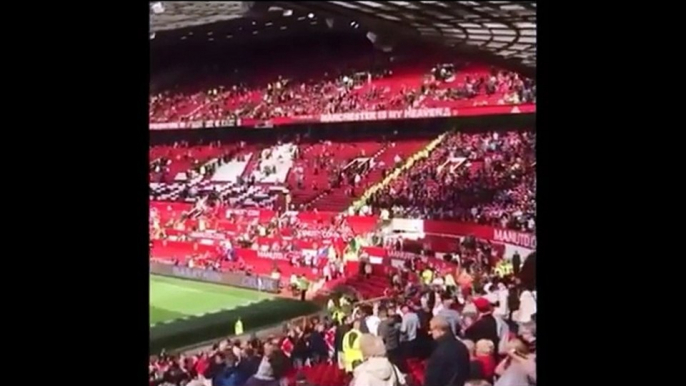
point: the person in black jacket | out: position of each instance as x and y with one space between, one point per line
215 368
449 363
516 263
300 351
486 327
341 330
318 349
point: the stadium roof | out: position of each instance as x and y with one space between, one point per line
503 32
182 14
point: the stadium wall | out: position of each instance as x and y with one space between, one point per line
443 236
349 131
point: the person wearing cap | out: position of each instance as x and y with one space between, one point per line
486 326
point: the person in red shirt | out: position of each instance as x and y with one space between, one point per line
484 354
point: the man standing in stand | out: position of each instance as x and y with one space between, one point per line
516 263
449 363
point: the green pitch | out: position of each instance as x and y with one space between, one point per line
173 299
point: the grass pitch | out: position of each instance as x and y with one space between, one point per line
176 299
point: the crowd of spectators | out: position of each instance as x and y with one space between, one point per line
229 363
512 88
341 172
285 236
442 323
340 93
483 178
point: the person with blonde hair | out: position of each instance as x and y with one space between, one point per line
519 368
376 369
484 347
483 353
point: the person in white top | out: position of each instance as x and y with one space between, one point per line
373 322
527 307
385 215
491 293
438 281
327 272
503 293
376 369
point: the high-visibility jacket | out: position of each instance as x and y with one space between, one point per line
351 349
427 276
239 327
450 280
338 315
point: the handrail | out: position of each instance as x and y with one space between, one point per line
262 332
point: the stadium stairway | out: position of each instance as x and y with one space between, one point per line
252 164
337 200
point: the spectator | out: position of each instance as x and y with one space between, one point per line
230 375
376 369
408 331
372 321
272 368
501 309
248 365
215 370
486 327
484 354
475 367
364 312
341 331
300 350
527 306
516 263
389 332
527 332
317 345
450 315
518 368
449 363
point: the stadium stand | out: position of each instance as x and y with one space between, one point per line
273 157
484 178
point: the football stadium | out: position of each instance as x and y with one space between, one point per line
342 193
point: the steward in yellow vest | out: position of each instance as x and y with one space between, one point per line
450 280
338 315
239 327
427 276
351 347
